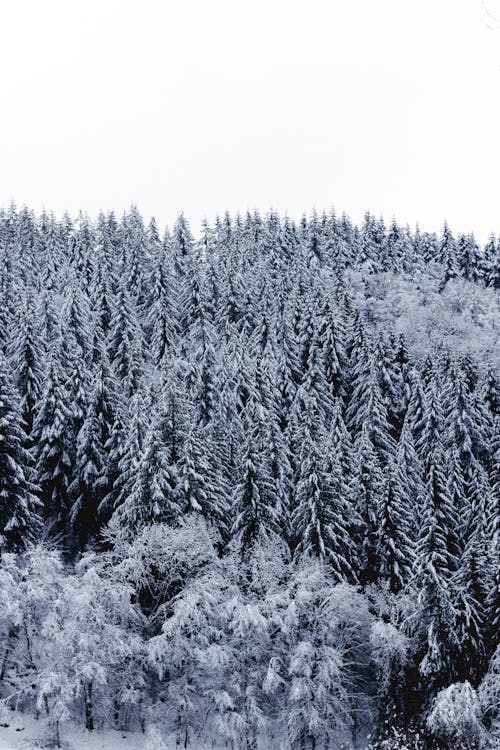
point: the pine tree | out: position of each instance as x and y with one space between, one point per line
491 569
432 425
19 506
153 496
463 418
124 449
323 517
254 499
490 391
489 251
125 341
368 489
53 467
468 257
332 352
160 323
395 548
27 353
368 408
76 315
470 586
200 487
434 568
92 481
448 257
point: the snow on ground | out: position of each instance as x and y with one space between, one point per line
24 733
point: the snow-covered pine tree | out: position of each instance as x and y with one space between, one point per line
19 505
153 496
92 477
322 518
51 446
470 584
395 546
26 355
255 506
436 641
200 488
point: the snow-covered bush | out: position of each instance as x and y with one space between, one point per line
154 738
456 716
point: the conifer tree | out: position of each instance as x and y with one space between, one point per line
395 548
92 480
19 506
368 408
125 340
368 489
470 586
153 495
254 499
51 440
435 566
27 353
160 323
463 418
200 487
124 448
448 257
323 518
432 425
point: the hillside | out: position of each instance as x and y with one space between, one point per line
250 482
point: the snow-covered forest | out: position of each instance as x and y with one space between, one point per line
250 482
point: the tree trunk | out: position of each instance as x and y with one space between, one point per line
355 723
54 730
11 635
28 645
89 717
178 734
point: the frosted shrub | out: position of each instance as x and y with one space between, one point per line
154 739
455 716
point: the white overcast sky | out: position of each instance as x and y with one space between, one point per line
205 105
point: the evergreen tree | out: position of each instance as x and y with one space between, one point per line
395 548
469 584
448 257
368 490
254 498
160 323
463 418
124 447
323 516
368 408
53 467
27 353
92 481
434 568
200 487
125 341
19 506
153 496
